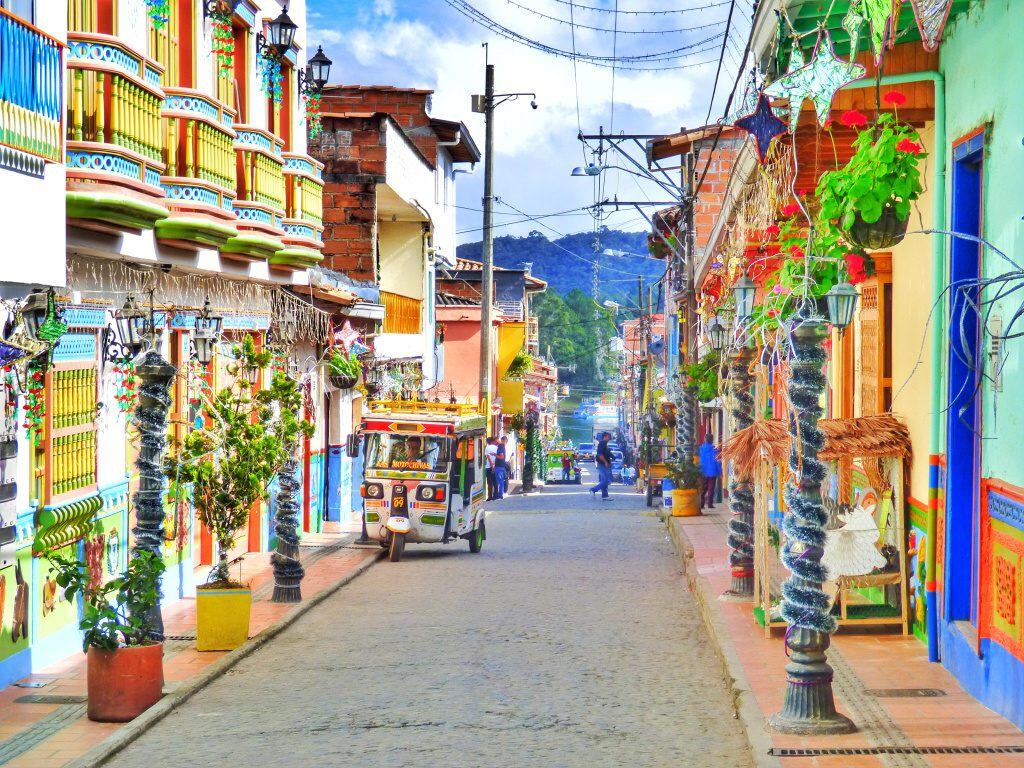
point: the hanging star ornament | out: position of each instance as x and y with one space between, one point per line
818 81
763 125
879 16
931 18
852 23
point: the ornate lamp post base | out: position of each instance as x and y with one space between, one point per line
741 591
809 708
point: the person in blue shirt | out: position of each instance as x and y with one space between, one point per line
603 458
710 470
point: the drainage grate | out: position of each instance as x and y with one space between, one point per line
842 751
905 693
179 637
43 698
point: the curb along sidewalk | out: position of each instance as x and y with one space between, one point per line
48 727
862 663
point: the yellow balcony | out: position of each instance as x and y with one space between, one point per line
260 199
30 89
114 133
304 185
200 178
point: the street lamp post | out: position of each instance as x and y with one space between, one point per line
741 494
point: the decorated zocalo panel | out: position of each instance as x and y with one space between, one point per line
1001 568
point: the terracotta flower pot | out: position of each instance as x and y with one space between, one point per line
888 231
123 684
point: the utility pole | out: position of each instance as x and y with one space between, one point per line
485 105
487 255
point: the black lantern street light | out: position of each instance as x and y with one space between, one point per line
743 291
134 325
206 334
278 40
314 77
33 313
718 335
842 303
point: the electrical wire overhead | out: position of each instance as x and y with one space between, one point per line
668 11
572 22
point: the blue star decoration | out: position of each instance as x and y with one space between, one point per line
763 125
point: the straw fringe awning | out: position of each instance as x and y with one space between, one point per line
764 440
865 437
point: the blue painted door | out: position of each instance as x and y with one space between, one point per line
964 396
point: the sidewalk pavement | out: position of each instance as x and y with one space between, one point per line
39 732
862 662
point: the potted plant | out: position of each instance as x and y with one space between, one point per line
520 365
685 475
343 369
869 198
225 468
124 670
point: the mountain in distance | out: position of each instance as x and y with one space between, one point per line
564 272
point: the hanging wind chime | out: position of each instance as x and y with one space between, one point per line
314 121
270 77
159 12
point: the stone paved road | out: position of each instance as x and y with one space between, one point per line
571 640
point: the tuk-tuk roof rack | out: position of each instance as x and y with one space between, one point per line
425 407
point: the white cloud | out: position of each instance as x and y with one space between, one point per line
384 7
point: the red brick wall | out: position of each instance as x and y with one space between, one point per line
408 108
465 289
712 192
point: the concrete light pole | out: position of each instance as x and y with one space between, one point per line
486 105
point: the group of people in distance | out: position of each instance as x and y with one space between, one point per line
497 470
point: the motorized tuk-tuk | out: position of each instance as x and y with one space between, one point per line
553 468
423 474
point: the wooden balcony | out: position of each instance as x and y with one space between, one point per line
532 336
401 314
260 194
200 178
114 134
303 220
31 72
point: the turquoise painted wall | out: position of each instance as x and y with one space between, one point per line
984 66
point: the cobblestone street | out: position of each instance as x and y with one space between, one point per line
571 640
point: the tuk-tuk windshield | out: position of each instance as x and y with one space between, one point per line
416 452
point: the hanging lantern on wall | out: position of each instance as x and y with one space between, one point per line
717 335
206 334
743 291
133 325
842 303
33 313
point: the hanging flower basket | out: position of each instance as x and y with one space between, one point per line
887 232
343 382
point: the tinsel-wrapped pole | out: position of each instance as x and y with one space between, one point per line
150 418
288 571
529 457
809 707
741 494
686 433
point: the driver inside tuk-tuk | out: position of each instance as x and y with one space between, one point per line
410 453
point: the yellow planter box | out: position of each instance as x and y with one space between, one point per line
222 618
685 503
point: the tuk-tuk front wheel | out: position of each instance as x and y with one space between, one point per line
397 547
476 538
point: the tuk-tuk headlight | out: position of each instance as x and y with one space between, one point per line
430 493
374 490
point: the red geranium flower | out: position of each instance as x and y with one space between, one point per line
853 119
791 210
797 251
855 268
772 230
911 147
895 98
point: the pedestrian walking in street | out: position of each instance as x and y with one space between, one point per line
710 470
603 458
490 472
501 467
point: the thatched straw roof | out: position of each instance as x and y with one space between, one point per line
865 437
765 439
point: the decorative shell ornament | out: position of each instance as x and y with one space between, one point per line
852 549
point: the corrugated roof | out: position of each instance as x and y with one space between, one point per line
451 300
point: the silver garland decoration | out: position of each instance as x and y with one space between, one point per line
288 571
150 419
741 494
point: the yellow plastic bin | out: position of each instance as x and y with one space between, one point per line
685 503
222 618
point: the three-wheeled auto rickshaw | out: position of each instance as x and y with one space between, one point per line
423 474
554 469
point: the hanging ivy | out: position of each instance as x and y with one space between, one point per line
35 404
314 123
159 12
270 78
223 40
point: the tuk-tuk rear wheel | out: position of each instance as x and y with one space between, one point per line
476 538
397 547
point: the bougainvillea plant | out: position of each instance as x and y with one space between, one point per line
35 404
702 376
223 46
883 172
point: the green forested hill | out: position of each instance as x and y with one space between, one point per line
564 272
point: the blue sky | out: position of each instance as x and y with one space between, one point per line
427 44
